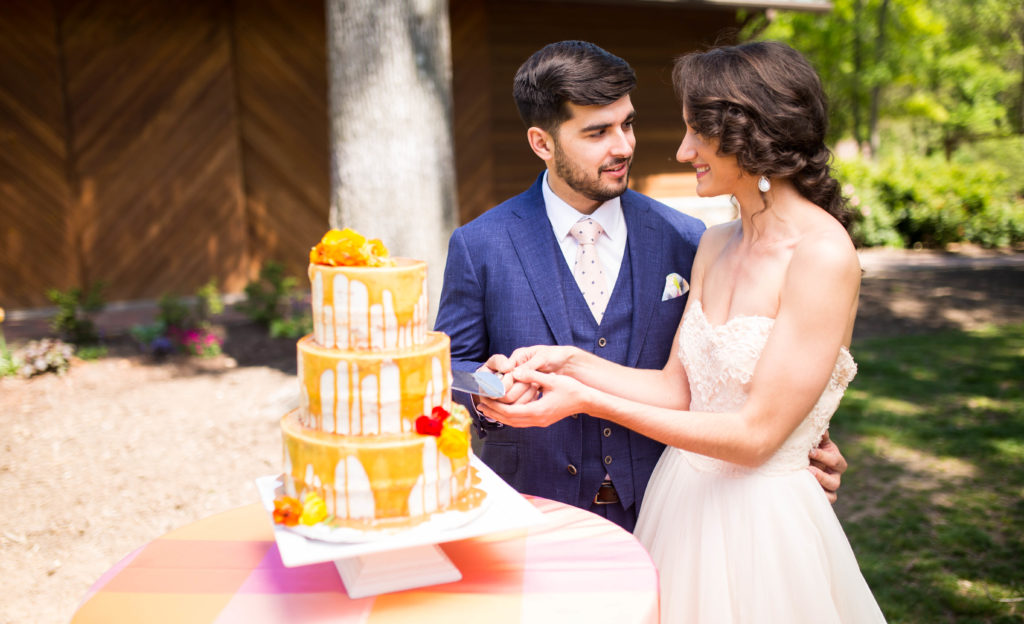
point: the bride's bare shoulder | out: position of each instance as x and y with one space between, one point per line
716 236
829 249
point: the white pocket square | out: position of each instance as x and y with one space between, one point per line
675 286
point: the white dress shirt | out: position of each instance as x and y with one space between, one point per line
610 247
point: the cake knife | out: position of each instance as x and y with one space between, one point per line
482 382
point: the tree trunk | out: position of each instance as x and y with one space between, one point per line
390 107
876 89
858 68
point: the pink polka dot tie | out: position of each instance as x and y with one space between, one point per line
588 272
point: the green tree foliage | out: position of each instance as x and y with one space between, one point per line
936 72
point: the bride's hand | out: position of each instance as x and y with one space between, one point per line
515 392
544 358
560 396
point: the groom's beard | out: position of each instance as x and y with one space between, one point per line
591 186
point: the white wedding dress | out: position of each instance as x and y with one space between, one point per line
736 544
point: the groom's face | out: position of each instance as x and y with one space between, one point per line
592 154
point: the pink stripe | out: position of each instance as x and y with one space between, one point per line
109 574
272 577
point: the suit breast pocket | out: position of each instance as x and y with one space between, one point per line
672 307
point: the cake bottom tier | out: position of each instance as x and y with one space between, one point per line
369 481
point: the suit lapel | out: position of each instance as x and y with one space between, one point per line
645 254
537 248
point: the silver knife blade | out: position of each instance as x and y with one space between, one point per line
484 383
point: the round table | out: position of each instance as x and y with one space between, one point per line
574 566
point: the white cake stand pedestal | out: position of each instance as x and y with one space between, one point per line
396 570
377 563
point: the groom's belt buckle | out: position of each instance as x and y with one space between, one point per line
606 494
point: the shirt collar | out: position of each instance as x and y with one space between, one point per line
563 216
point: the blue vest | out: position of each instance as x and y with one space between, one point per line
605 444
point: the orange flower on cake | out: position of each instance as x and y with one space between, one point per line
287 510
349 248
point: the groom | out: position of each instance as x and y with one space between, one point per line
516 276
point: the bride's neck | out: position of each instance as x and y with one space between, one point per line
770 216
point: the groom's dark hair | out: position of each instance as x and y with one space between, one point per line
568 71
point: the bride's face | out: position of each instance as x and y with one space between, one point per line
716 174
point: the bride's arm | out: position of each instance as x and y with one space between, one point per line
667 387
817 305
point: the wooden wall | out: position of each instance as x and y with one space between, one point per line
156 144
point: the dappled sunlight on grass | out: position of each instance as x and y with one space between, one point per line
933 502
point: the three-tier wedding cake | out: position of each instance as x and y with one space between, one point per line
376 441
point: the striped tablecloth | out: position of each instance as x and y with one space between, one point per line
573 567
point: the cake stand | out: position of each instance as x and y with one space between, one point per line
381 562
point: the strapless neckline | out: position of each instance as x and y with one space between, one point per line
697 308
720 361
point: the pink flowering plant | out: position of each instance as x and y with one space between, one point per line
199 341
183 327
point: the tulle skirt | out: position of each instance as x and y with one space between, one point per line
749 548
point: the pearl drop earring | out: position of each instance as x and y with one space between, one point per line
763 184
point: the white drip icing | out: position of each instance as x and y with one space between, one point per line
327 394
391 397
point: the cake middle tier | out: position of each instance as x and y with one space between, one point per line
368 393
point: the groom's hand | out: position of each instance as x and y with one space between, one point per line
515 391
828 466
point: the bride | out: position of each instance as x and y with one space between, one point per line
738 528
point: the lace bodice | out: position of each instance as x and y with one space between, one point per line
720 361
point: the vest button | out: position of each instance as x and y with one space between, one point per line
607 432
601 342
607 459
571 469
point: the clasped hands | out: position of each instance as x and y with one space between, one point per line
540 390
537 392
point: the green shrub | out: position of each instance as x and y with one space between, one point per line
873 224
9 363
291 327
209 302
269 298
173 311
929 202
90 352
74 309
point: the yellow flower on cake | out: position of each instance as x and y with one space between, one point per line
314 509
453 443
454 438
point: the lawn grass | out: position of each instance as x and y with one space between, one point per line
933 502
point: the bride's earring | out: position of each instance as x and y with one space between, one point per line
763 184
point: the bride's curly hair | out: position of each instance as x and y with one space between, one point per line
764 103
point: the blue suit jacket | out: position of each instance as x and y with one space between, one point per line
502 291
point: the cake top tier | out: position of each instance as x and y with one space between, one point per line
366 301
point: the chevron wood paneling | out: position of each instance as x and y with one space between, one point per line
154 145
281 65
35 253
472 105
